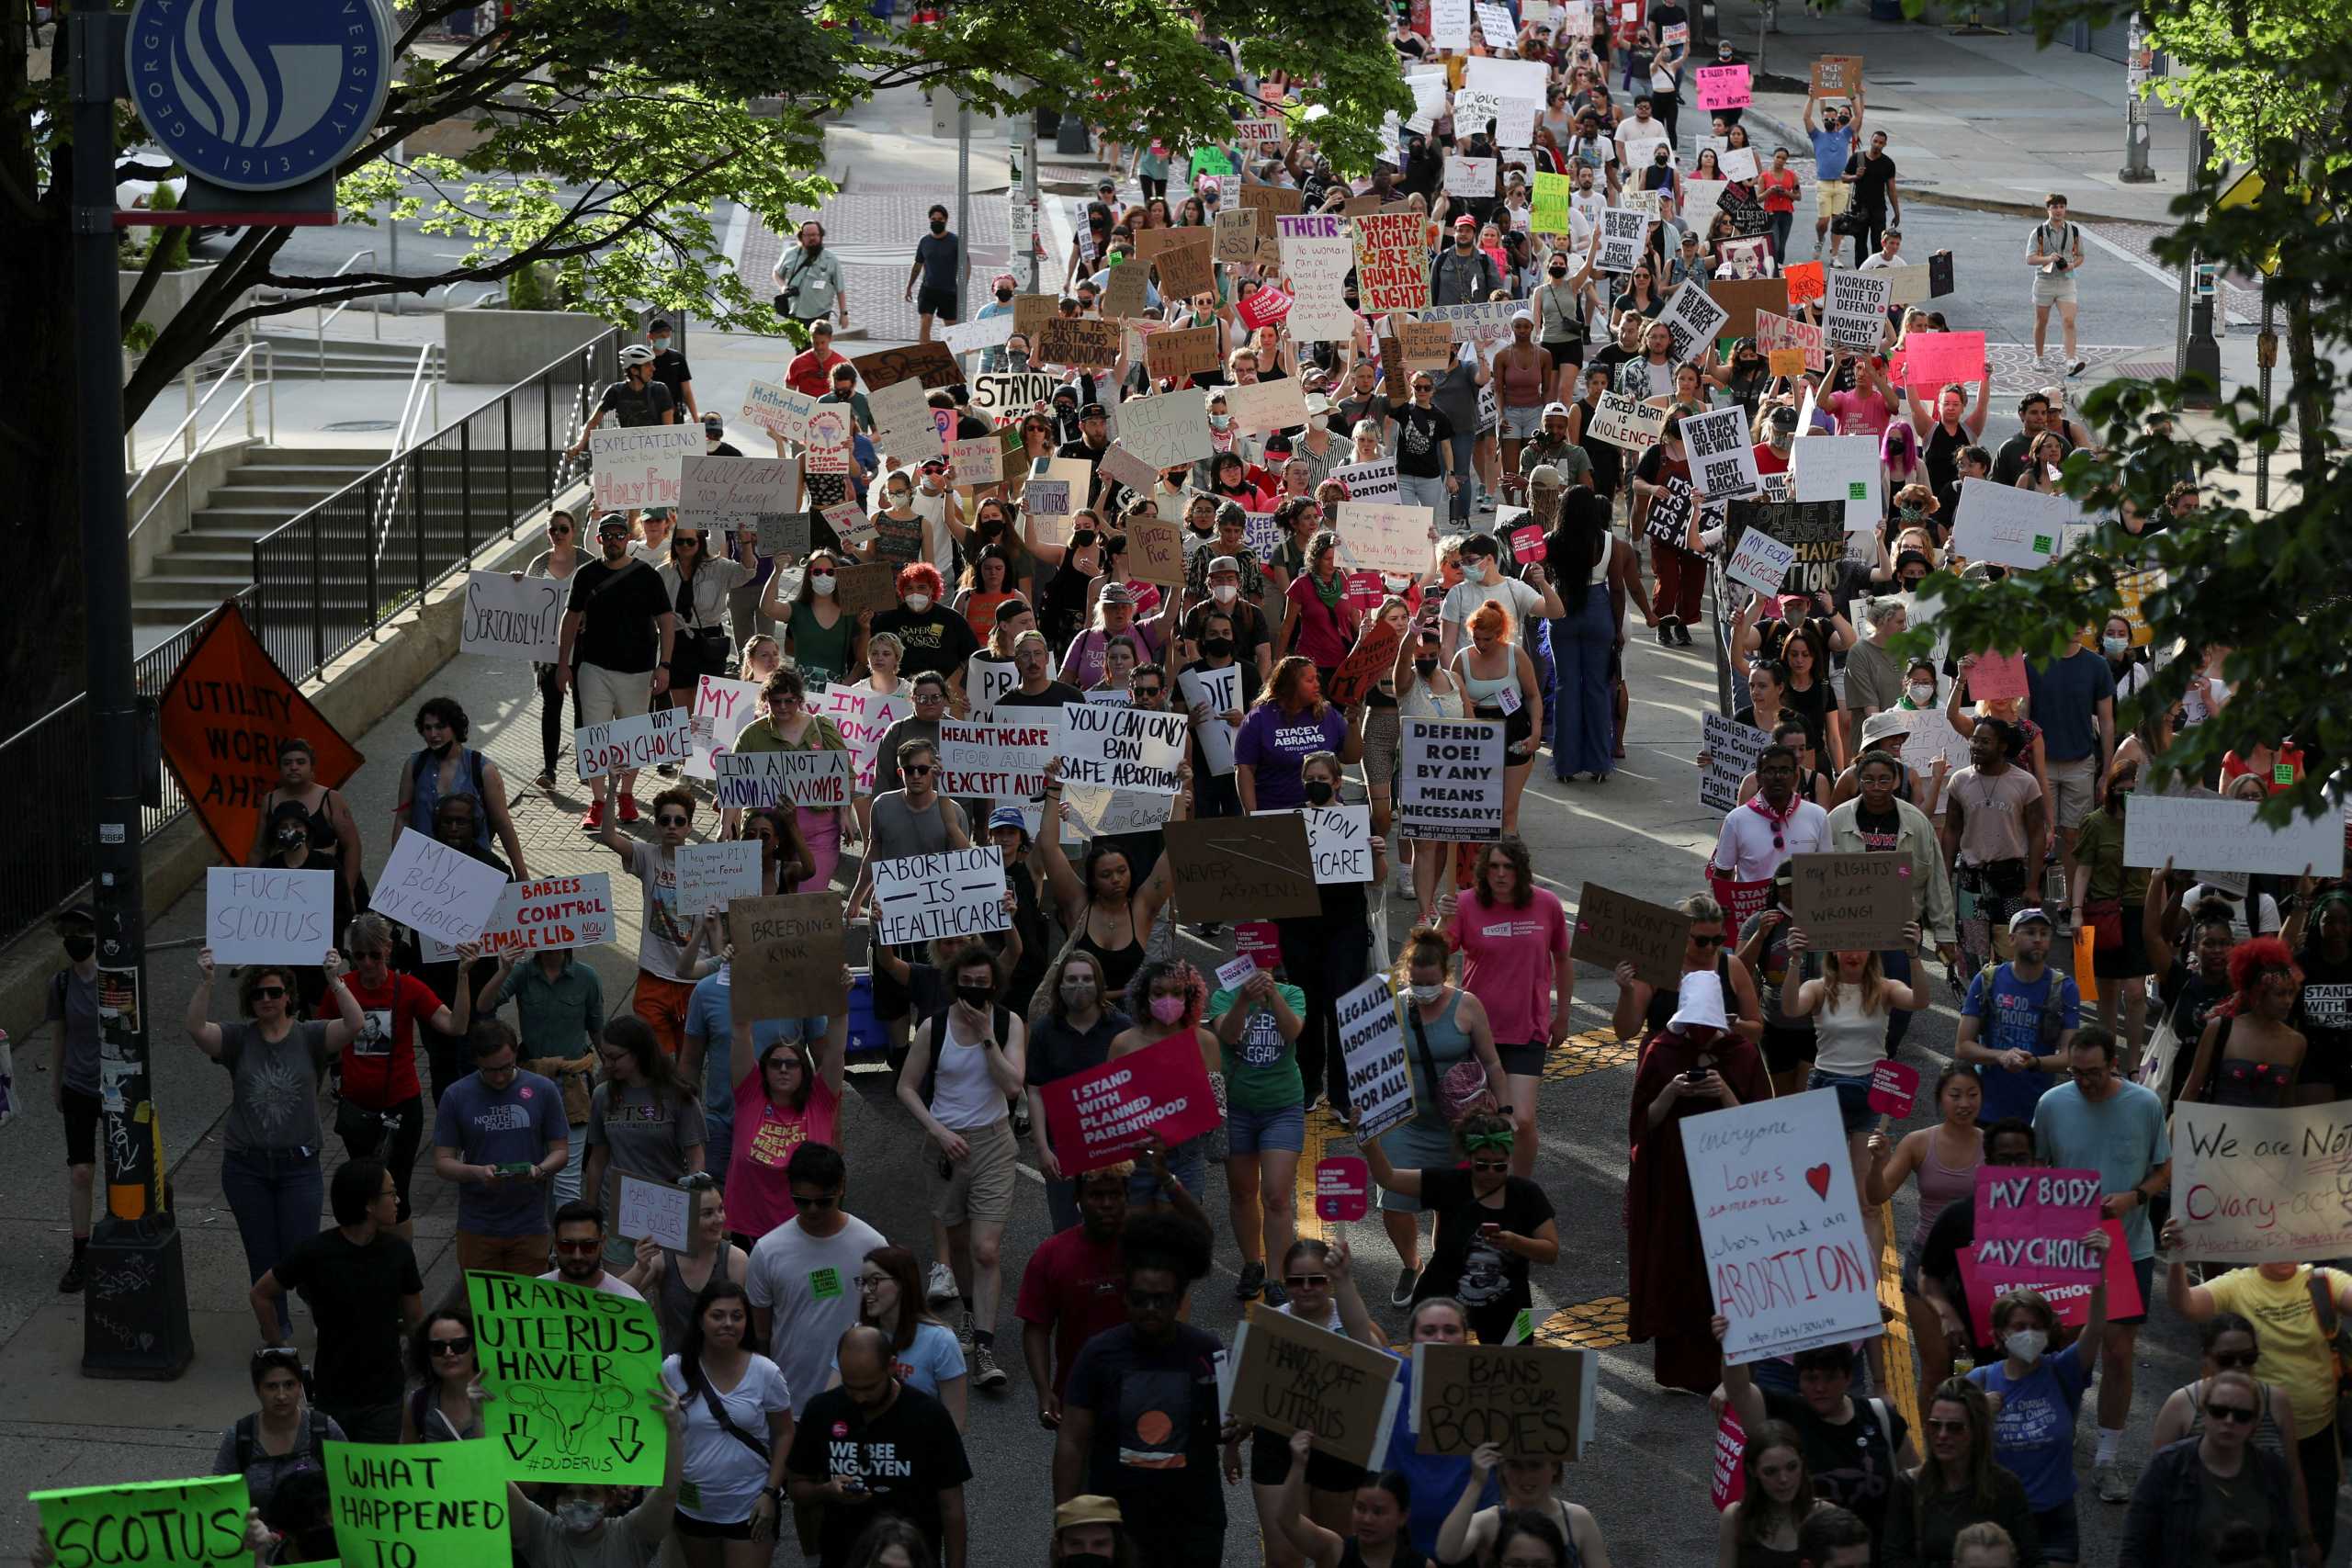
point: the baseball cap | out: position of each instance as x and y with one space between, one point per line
2024 918
1088 1509
1094 410
1117 593
714 421
611 520
1466 221
1555 410
1010 817
1224 563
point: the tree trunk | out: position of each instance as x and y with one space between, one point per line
41 643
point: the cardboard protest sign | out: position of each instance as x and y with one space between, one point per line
1613 928
1837 76
1339 841
1392 263
780 533
715 874
1124 292
1852 902
435 890
439 1503
183 1524
2034 1219
867 585
2019 528
1372 1050
788 955
1342 1188
638 466
1984 1282
646 740
1236 236
1780 1225
1843 468
1187 264
1291 1376
1122 748
1744 301
753 780
1091 811
1102 1115
1732 749
1628 422
572 1371
1179 352
1080 341
506 619
1894 1089
1452 788
1373 657
1391 539
655 1209
1000 759
1426 346
1232 868
547 911
951 893
2223 835
1530 1401
259 915
222 717
1856 316
930 363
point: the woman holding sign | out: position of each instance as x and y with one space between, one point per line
1166 999
1290 1479
1105 913
2248 1054
1475 1535
824 638
788 725
1849 1006
1501 682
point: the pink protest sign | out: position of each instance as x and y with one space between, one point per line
2071 1300
1365 591
1996 675
1936 359
2031 1221
1527 544
1893 1089
1731 1446
1260 942
1267 305
1723 86
1342 1188
1099 1118
1739 900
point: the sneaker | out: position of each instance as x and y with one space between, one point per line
594 818
1253 1280
628 807
545 780
985 1374
70 1282
2109 1477
1666 633
1402 1294
1275 1296
1682 634
939 1285
2078 366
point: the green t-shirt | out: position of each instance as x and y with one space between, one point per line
1262 1068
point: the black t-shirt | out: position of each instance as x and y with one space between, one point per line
1871 183
940 639
354 1293
1422 433
1463 1264
1940 1260
1940 455
1878 832
2323 1013
617 607
1155 1428
634 406
669 369
1056 694
1249 631
1058 1050
907 1456
1852 1465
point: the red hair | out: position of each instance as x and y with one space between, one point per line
920 578
2249 960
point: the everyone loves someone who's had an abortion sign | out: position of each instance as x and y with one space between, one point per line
1781 1226
2253 1185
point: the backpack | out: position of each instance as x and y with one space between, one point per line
999 1026
2052 1022
473 766
248 1440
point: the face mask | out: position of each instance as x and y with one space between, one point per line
1922 693
1560 272
1351 305
77 948
1167 1009
2116 645
1004 294
1224 592
2026 1344
977 998
822 581
1216 647
658 344
1908 514
939 225
444 749
1425 667
918 603
1318 793
579 1514
1427 993
1220 420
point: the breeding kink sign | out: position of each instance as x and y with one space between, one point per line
1452 786
1102 1116
788 954
952 893
1530 1401
571 1372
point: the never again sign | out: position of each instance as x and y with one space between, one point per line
573 1372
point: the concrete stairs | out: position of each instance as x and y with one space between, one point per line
213 559
296 355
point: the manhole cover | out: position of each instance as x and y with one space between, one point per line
353 427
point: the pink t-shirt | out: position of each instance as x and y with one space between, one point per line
1859 413
759 1199
1507 963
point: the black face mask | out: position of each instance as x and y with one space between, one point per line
977 998
939 225
1216 647
992 531
1560 272
444 749
1319 793
1004 294
78 948
1351 305
1425 667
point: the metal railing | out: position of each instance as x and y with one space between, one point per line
420 385
330 578
323 318
257 360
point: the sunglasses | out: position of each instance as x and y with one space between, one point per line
1715 941
1490 1165
818 1201
671 819
461 1345
2242 1360
1307 1281
271 992
560 532
2243 1414
914 768
579 1246
1947 1425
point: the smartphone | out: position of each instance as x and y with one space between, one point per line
515 1167
1694 1074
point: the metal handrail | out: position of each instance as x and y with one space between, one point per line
412 406
257 353
326 317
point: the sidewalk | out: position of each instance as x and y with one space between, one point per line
2055 120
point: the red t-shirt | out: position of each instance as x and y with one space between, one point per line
380 1066
2234 767
1771 462
1073 1286
1507 963
810 373
1778 189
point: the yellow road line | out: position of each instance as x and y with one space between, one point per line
1900 1370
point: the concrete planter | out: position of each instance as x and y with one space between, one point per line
498 348
173 289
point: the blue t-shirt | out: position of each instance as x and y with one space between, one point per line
1830 150
508 1126
2123 1138
933 1359
2066 694
2033 1438
2011 1020
1436 1479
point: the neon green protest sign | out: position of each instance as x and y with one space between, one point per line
571 1373
149 1524
419 1505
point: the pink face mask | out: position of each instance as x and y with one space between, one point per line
1167 1009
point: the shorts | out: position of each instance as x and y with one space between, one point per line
980 1186
2144 1274
1416 1145
81 1111
1382 733
607 695
1247 1131
1853 1097
1519 424
2062 1540
1188 1163
503 1254
1831 198
1786 1049
2075 784
1518 725
1270 1464
1521 1061
2130 962
2053 288
705 1529
940 302
661 1003
1565 354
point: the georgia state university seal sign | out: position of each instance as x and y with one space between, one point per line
259 95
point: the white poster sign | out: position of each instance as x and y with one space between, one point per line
550 911
435 890
1449 24
1372 1046
2223 835
924 897
1856 314
754 780
1473 178
1722 458
862 716
507 619
779 411
1373 482
655 1209
1218 690
1004 759
986 679
1091 811
723 710
1316 254
1122 748
1168 430
619 745
1395 540
638 466
1259 408
1841 467
2008 527
731 493
1451 789
1622 230
1506 75
1694 319
1732 749
1627 421
1760 561
713 875
253 915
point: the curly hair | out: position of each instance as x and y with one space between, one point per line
2249 961
922 577
1139 995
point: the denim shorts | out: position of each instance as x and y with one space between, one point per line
1246 1131
1853 1095
1188 1162
2059 1533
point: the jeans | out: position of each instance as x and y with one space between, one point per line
1874 230
564 1185
1465 445
276 1195
551 717
1584 705
1414 490
1326 959
1061 1204
1782 223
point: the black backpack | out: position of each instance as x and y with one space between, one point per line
248 1440
999 1026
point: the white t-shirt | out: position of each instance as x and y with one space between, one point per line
1462 602
2265 911
612 1284
721 1474
1745 847
810 1283
1879 261
662 943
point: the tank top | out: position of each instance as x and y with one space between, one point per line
906 832
1755 1554
1563 322
1847 1040
673 1303
1523 387
1941 1186
962 1096
1448 1044
1484 690
426 797
320 820
2266 1435
1402 1555
1118 963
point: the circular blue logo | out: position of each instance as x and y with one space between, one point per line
259 95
